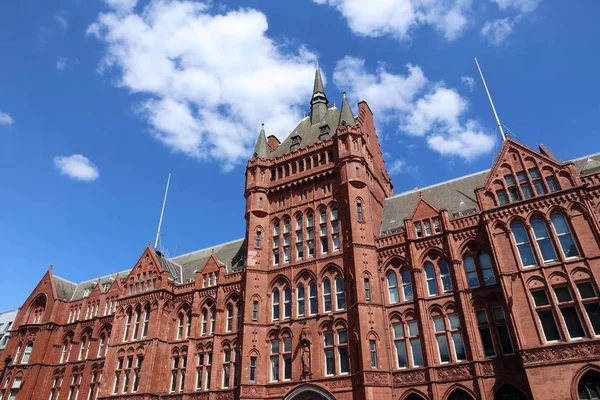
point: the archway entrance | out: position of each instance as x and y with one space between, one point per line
309 392
589 386
509 392
460 394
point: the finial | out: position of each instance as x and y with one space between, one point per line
344 94
262 125
212 251
51 266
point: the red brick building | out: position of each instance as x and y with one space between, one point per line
483 287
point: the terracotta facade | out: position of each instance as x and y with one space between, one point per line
499 302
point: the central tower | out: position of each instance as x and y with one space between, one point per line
313 208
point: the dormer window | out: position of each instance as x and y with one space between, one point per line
436 225
105 287
87 291
419 229
324 132
296 140
424 228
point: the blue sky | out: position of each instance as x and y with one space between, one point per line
99 100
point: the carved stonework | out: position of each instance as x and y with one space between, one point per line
376 378
225 395
488 368
276 390
344 383
570 352
408 377
253 391
454 372
198 396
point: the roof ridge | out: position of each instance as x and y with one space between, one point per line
207 248
66 280
103 276
473 174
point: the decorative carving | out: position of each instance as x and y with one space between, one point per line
377 378
344 383
305 343
403 378
225 395
454 372
198 396
560 353
253 391
276 390
488 368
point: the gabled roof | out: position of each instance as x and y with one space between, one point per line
64 288
230 254
456 195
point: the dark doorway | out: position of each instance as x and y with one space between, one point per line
460 394
589 386
509 392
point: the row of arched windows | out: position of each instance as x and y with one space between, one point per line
546 236
136 323
301 165
332 294
85 342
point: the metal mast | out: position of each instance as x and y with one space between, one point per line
491 101
162 212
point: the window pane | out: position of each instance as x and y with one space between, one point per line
417 355
487 342
398 330
413 328
562 294
442 342
392 287
438 324
458 346
481 317
540 298
344 360
523 245
549 325
572 321
526 189
586 290
502 197
401 354
328 338
593 312
543 239
454 321
329 362
505 341
406 285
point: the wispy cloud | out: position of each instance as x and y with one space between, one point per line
417 106
200 100
496 32
61 63
468 81
5 119
76 166
62 21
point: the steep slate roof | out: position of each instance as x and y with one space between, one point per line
456 195
230 254
64 288
309 132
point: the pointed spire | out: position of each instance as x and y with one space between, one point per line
318 102
318 87
261 149
346 116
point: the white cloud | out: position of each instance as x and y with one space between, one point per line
122 5
209 79
496 32
5 119
522 6
61 63
396 167
77 167
468 81
416 106
400 18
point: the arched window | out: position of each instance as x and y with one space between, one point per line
136 326
523 245
340 298
287 303
299 222
326 295
180 326
487 272
471 271
543 240
146 320
300 300
460 394
127 325
275 315
239 316
323 216
565 237
101 344
204 321
432 288
64 354
334 213
312 296
258 242
27 353
406 285
229 318
392 283
188 324
213 318
445 276
589 386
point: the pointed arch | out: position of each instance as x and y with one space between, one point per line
585 381
509 392
413 394
310 390
459 392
